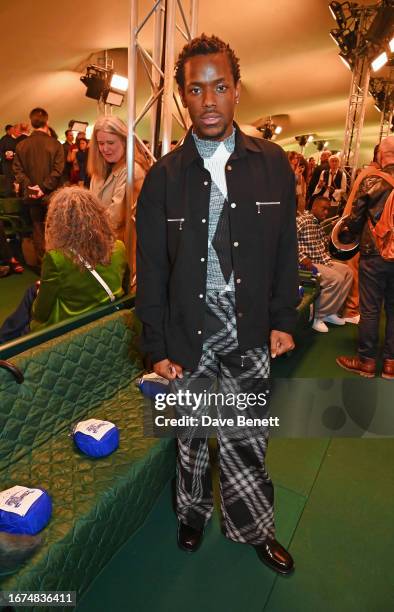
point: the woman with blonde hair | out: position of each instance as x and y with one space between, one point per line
84 265
107 168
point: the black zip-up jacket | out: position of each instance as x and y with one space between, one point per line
172 248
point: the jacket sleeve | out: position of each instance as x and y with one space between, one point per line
302 251
152 264
49 288
51 182
117 206
284 292
20 176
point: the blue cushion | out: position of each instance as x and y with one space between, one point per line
24 510
89 439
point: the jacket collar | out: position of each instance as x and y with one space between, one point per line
243 143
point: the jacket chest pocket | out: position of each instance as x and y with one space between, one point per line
263 207
175 223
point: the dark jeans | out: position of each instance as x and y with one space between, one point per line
376 278
18 323
38 211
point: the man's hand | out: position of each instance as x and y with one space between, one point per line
168 369
281 342
37 194
307 263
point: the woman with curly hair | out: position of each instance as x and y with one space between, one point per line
80 245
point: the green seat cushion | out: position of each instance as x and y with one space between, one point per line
97 503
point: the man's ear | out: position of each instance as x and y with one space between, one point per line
182 97
237 91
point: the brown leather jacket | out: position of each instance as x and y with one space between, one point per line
368 206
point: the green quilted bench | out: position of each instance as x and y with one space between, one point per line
97 503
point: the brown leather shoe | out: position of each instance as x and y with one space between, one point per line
362 365
272 554
388 368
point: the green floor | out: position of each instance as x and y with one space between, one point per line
334 508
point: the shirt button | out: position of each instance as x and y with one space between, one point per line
229 167
238 280
236 244
201 296
203 220
233 205
199 332
206 183
202 259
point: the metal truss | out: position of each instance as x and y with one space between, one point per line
358 97
169 17
388 107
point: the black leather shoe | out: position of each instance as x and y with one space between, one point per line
275 556
189 539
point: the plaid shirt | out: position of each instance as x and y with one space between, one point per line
312 241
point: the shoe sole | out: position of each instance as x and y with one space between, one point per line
276 569
364 374
388 376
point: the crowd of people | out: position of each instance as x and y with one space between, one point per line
35 165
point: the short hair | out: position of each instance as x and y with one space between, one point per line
7 127
205 45
97 166
321 199
334 157
38 117
67 132
78 223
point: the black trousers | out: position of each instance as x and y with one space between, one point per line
376 279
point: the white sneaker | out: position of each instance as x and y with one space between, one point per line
334 319
355 320
319 326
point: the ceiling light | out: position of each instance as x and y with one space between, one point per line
278 129
391 45
335 35
326 143
310 138
379 61
119 82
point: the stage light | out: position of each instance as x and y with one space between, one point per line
119 82
310 138
326 143
114 98
379 61
391 45
278 129
346 59
96 81
381 27
336 9
335 35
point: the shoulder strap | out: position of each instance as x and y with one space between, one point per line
98 278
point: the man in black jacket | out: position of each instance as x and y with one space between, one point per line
7 153
316 175
217 288
38 167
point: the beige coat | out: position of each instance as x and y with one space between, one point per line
112 193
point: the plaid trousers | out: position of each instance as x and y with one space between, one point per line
246 490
